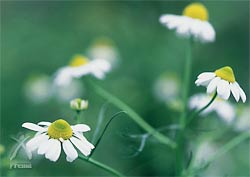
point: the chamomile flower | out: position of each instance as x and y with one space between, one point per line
80 66
193 23
104 48
223 108
223 82
51 136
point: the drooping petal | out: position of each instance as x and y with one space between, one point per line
235 91
81 146
80 128
241 92
69 150
208 75
212 85
54 150
33 127
82 138
43 147
223 89
33 143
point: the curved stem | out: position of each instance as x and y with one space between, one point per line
133 115
102 166
202 109
105 128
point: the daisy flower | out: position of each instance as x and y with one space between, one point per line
192 23
223 82
51 136
80 66
223 108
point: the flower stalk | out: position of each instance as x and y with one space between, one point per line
102 166
133 115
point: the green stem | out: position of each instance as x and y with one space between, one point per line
202 109
78 117
102 166
223 150
182 121
134 116
187 76
230 145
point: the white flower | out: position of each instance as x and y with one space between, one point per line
224 109
193 23
79 104
51 136
223 82
166 87
38 88
104 48
80 66
243 120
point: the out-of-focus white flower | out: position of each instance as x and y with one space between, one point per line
104 48
38 88
79 104
204 151
167 89
51 136
242 122
68 92
80 66
223 82
193 23
223 108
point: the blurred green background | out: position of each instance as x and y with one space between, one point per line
39 37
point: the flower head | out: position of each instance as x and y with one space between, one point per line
51 136
80 66
193 23
223 82
78 104
223 108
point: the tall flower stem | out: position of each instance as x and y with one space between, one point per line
102 166
202 109
133 115
180 155
78 117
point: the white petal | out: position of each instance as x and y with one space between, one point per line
223 89
43 147
82 138
33 143
33 127
212 85
241 92
81 146
69 151
54 150
80 128
208 75
44 123
235 91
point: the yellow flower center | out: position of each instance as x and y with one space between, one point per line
60 129
196 10
226 73
78 60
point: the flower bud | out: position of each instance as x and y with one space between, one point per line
78 104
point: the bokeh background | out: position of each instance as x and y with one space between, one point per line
39 37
